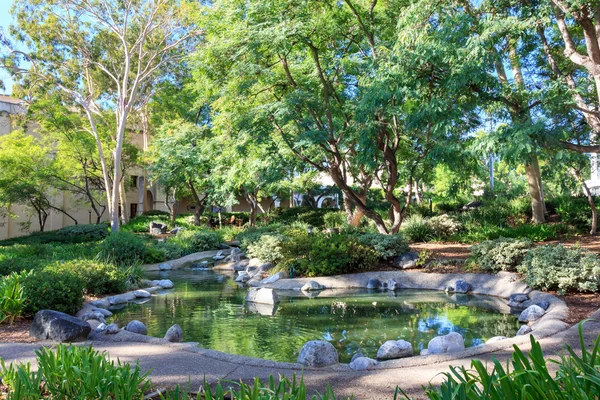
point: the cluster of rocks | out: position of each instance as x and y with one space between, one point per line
158 228
528 310
459 286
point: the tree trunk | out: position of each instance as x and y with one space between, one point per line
123 200
590 198
532 170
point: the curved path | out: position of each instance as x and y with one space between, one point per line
180 364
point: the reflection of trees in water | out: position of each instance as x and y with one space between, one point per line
212 314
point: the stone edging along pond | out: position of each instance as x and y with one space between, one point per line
502 285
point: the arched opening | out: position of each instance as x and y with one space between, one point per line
149 200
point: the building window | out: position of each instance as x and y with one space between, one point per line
134 181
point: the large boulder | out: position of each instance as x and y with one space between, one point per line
164 283
449 343
532 313
518 297
121 298
262 296
164 266
462 286
157 228
136 326
318 353
174 334
141 294
524 330
373 283
58 326
392 284
362 363
394 349
312 285
274 278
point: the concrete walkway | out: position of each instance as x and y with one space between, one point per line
179 364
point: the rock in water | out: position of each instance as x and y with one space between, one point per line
449 343
58 326
518 297
136 326
262 296
318 353
311 285
393 349
462 286
531 313
174 334
373 284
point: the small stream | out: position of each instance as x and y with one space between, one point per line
210 309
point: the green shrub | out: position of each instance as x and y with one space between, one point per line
575 211
576 377
53 289
416 229
74 372
284 389
68 234
123 248
502 254
560 268
335 219
443 226
253 234
316 255
311 216
98 277
163 251
229 233
195 241
386 246
12 297
267 248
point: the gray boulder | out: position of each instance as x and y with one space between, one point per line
406 261
518 297
142 294
121 298
112 329
241 265
357 355
312 285
242 277
393 349
136 326
495 339
524 330
392 284
424 352
318 353
373 283
462 286
262 296
92 315
100 303
532 313
164 283
157 228
274 278
543 304
517 305
362 364
102 311
449 289
57 326
174 334
164 266
449 343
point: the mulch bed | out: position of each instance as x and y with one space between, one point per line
16 333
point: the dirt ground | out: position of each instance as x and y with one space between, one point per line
16 333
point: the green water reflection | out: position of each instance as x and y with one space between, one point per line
210 309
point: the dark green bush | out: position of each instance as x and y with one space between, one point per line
504 254
98 277
416 229
53 289
162 251
307 215
386 246
574 211
316 255
194 241
561 268
68 234
123 248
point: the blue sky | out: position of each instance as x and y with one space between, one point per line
5 21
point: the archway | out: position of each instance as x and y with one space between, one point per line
149 200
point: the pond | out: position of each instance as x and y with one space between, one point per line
210 309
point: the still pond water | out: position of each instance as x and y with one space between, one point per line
210 309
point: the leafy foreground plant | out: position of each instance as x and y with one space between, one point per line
284 389
578 377
12 297
72 372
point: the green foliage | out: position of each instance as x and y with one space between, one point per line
577 376
311 216
561 268
386 246
317 255
574 211
502 254
68 234
267 248
444 226
98 277
123 248
194 241
53 288
284 389
77 372
416 229
163 251
12 297
335 219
